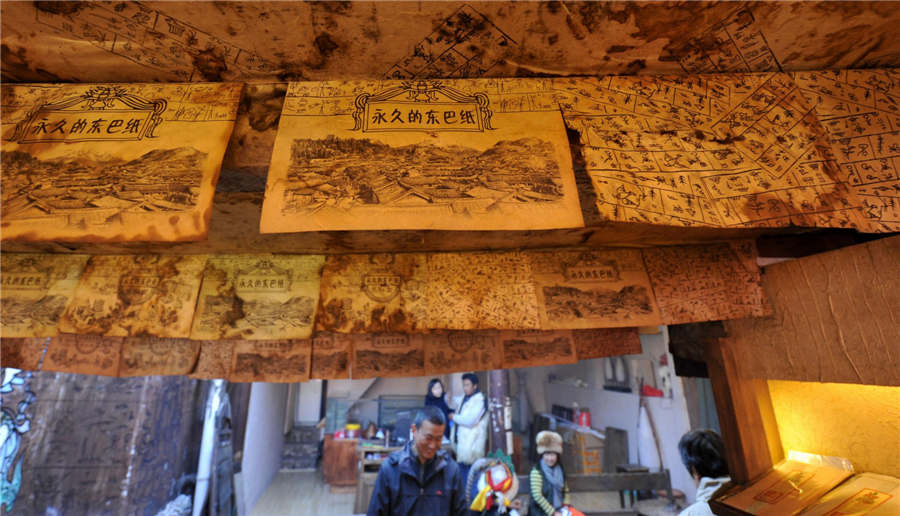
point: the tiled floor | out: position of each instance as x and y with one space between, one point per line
302 493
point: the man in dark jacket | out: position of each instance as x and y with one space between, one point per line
421 479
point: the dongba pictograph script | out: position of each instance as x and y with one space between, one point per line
736 150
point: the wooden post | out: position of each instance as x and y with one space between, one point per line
745 413
497 394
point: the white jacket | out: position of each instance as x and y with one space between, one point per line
470 429
700 507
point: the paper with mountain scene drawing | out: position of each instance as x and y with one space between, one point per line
258 297
282 361
606 342
331 356
214 360
150 356
417 155
529 348
135 295
22 353
83 354
593 289
388 354
112 162
35 290
454 351
373 293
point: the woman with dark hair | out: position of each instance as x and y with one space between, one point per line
437 397
549 491
703 454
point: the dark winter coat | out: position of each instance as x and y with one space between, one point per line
440 403
406 487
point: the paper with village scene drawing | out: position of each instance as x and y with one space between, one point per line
529 348
860 110
121 296
454 351
150 356
258 297
369 293
22 353
214 360
447 154
606 342
83 354
735 150
388 355
282 361
331 356
35 290
112 162
593 289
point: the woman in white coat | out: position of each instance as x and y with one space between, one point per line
470 424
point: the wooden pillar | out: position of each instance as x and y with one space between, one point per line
498 390
745 415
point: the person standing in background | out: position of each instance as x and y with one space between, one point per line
470 424
437 397
549 492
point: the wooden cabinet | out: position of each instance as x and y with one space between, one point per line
339 461
369 462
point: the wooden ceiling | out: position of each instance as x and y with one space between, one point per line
281 41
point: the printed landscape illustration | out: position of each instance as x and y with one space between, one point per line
533 351
349 172
161 180
566 302
45 311
331 363
263 365
372 362
257 313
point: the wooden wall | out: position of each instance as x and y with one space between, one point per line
835 319
101 446
861 422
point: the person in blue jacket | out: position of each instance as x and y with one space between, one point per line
421 479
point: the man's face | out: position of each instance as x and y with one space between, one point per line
468 387
427 439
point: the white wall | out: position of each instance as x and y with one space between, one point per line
308 402
264 439
620 410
